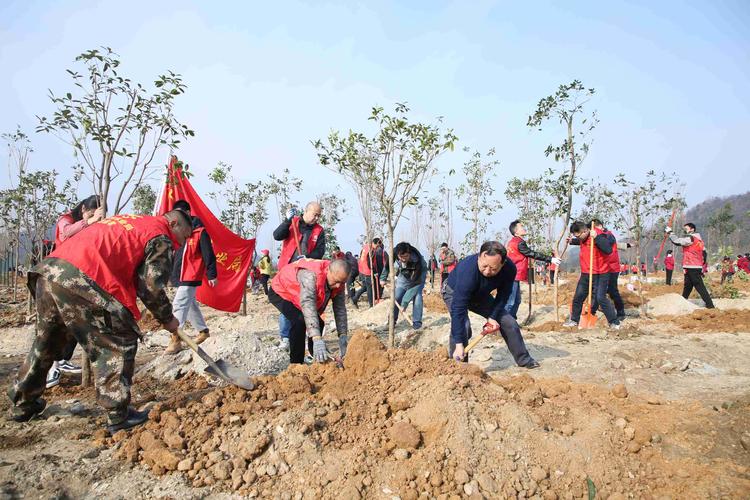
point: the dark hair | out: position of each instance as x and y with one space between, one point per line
402 248
596 222
493 248
90 203
669 251
444 245
690 225
182 215
181 205
377 241
337 248
577 227
512 227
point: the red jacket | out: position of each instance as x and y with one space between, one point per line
286 285
692 255
669 262
743 263
290 243
111 251
614 258
520 260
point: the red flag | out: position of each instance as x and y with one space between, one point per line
234 255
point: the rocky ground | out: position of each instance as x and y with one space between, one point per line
656 410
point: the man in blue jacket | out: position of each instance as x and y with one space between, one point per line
469 288
411 274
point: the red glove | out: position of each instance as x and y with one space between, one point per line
489 328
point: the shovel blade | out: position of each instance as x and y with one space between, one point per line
231 374
587 320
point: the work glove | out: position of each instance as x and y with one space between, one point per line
556 261
343 344
667 229
320 351
291 213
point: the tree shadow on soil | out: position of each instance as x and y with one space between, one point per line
502 359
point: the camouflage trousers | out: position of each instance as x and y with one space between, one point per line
110 341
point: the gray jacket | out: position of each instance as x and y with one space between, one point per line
309 302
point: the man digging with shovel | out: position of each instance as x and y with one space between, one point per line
87 289
301 292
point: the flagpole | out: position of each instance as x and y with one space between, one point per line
157 202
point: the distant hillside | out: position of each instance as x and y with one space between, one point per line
740 208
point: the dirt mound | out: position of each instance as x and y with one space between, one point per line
405 423
434 303
713 320
671 304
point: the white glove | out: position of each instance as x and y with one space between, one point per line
556 261
291 213
667 229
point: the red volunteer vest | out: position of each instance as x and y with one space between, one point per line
447 269
286 285
692 255
193 268
110 251
743 263
66 217
521 262
601 261
364 261
290 245
669 263
614 258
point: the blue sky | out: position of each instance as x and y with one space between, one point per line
265 78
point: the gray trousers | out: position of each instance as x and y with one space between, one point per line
509 328
185 308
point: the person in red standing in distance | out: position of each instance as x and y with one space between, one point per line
448 261
86 212
669 266
693 262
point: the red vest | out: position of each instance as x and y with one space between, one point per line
601 260
110 252
449 268
614 258
290 243
286 285
66 217
692 255
669 262
744 264
520 260
364 261
193 268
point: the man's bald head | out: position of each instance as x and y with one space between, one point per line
313 211
338 272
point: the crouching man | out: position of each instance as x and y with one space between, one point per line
468 288
301 292
87 289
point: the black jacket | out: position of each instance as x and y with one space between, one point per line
207 253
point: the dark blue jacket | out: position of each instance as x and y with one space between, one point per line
470 288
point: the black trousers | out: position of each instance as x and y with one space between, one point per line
694 279
350 284
264 282
509 328
298 332
599 297
669 276
552 276
614 293
367 287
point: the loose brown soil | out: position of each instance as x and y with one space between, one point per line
714 320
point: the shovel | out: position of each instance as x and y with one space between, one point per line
487 329
220 368
588 318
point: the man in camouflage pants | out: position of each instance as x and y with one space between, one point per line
97 311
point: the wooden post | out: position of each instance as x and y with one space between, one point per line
86 377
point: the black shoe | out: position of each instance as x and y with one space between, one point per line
25 415
532 364
133 418
621 316
354 303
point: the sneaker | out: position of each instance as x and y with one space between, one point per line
133 418
354 303
68 367
35 408
569 324
614 326
202 337
284 344
53 377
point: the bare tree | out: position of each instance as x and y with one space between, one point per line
477 197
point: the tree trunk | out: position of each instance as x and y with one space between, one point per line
392 299
15 271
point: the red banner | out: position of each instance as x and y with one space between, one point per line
234 255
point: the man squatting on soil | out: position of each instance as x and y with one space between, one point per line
301 292
468 288
88 291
